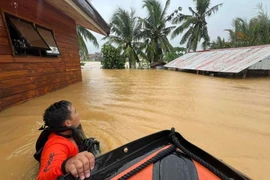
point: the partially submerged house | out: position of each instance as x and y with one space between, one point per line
157 65
245 61
39 50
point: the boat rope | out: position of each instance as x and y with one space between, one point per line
154 159
196 158
168 151
162 154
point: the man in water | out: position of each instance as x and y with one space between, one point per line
58 144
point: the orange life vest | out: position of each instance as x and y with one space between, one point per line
56 150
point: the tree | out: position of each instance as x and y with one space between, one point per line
176 53
112 58
85 35
195 24
154 31
262 24
125 33
243 33
219 44
250 33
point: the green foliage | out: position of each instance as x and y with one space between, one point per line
170 56
154 30
219 44
85 35
112 58
142 37
195 24
177 52
125 34
247 33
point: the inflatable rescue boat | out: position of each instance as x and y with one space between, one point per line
165 155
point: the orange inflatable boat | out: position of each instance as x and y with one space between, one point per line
165 155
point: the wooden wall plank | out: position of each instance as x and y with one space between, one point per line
17 89
40 12
71 56
37 59
76 80
71 64
22 97
73 69
18 81
62 32
3 32
68 47
52 15
1 21
38 85
66 39
12 66
1 104
6 58
6 102
14 74
4 41
18 98
5 50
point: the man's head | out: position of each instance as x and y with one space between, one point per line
61 114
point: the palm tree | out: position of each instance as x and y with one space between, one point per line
219 44
125 32
262 23
154 30
85 35
242 34
195 24
254 32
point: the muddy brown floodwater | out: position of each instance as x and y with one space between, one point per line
229 118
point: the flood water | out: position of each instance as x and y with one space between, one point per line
229 118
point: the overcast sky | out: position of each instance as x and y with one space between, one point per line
216 24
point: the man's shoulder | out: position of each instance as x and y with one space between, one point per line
56 139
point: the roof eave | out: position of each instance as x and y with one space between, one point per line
87 7
79 10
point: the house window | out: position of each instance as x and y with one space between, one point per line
30 39
47 35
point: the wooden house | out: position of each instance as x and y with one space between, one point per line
39 46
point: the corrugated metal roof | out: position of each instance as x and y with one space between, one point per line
263 65
232 60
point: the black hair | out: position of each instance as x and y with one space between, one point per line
56 114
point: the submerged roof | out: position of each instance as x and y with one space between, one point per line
83 12
232 60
